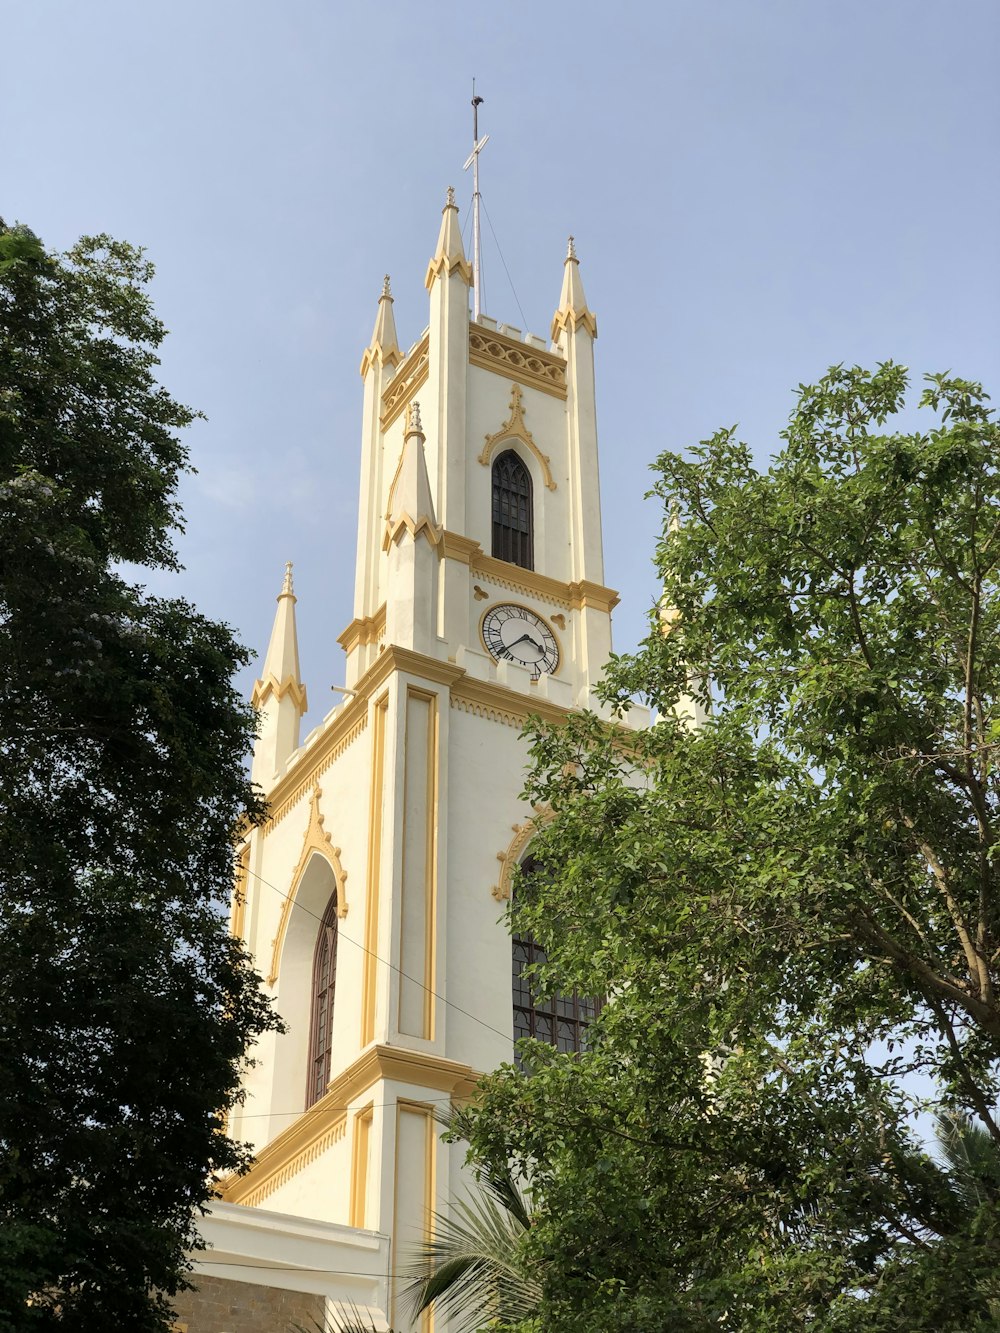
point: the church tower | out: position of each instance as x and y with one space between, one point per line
373 897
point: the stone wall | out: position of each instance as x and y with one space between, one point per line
218 1305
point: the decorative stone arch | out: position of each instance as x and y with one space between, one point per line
512 431
316 842
514 854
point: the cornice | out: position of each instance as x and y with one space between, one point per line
363 630
405 383
326 1121
456 547
575 595
516 360
271 687
488 698
351 720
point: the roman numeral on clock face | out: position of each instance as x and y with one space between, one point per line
517 634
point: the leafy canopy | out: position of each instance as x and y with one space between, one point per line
795 909
126 1007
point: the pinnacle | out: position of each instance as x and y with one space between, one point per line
449 253
412 425
286 587
573 312
384 345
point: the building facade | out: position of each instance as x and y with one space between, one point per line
372 899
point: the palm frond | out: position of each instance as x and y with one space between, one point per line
972 1157
473 1267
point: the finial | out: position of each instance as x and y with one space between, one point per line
386 293
450 199
286 587
412 424
571 249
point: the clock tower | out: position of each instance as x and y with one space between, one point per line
373 897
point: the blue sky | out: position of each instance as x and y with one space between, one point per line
758 188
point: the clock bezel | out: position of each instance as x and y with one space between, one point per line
531 611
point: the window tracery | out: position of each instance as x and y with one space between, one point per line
512 511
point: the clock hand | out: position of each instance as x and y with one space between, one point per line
534 642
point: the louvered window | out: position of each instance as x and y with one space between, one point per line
512 519
324 985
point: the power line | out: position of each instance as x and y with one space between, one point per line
507 1036
263 1115
524 319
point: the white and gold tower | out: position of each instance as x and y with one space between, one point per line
372 897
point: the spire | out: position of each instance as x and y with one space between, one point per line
573 311
410 506
281 665
449 257
384 346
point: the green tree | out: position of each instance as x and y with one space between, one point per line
794 911
125 1007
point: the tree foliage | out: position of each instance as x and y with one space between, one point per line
794 910
126 1007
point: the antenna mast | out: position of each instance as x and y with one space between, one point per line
473 161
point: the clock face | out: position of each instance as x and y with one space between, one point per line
515 634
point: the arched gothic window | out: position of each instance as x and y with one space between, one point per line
324 985
512 518
561 1020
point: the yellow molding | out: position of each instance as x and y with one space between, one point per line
326 1120
575 595
270 685
404 1106
443 265
374 868
315 841
363 631
238 907
573 320
516 360
456 547
585 594
427 878
289 789
523 833
419 527
388 357
353 719
360 1152
515 429
487 698
405 383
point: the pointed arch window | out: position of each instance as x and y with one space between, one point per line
324 985
561 1020
513 536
